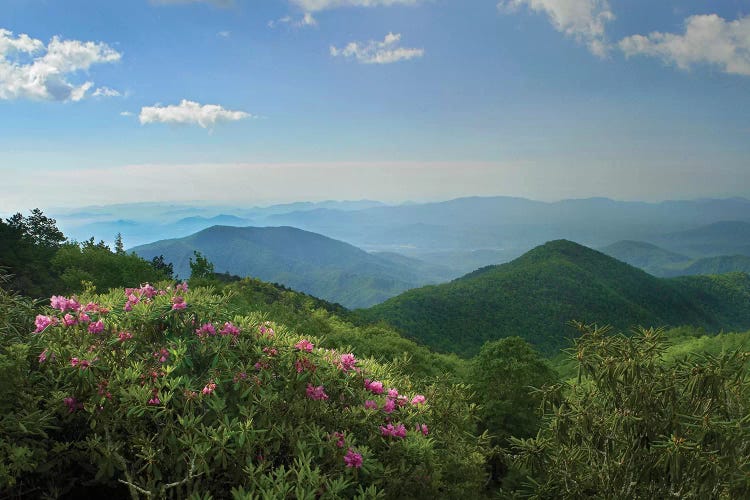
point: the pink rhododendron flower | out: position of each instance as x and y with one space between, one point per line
97 327
389 406
210 387
206 330
316 393
178 302
423 429
304 364
43 356
392 393
340 439
127 307
374 387
418 400
304 345
83 317
149 291
123 336
72 404
393 431
182 287
63 303
371 405
162 355
265 329
230 329
353 459
347 362
69 320
43 322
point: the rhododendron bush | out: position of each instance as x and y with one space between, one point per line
163 390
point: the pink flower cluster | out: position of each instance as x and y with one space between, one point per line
154 397
182 287
43 322
423 429
72 404
96 327
316 393
178 302
162 355
64 303
81 364
123 336
374 386
347 362
353 459
265 329
340 438
206 330
398 431
145 292
209 388
304 345
304 364
230 329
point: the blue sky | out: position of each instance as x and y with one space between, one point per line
262 101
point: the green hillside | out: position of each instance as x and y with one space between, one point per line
321 266
647 256
535 296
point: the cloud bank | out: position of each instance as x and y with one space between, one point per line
374 52
29 69
708 39
190 113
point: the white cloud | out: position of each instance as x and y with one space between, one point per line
707 39
31 70
224 34
126 113
584 20
190 113
374 52
318 5
106 92
305 21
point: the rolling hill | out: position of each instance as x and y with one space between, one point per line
647 256
323 267
536 295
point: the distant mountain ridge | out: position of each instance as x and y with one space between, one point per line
537 294
306 261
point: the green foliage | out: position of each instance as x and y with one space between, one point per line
200 268
536 295
97 264
636 427
157 403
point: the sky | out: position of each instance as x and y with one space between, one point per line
264 101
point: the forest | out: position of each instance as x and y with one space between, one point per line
120 380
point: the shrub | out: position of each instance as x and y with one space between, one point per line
164 391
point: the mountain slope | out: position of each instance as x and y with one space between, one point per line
647 256
718 238
306 261
536 295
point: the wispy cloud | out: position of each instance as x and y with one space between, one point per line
583 20
126 113
374 52
106 92
318 5
190 113
29 69
224 34
708 39
305 21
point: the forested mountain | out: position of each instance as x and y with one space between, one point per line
727 237
329 269
536 295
